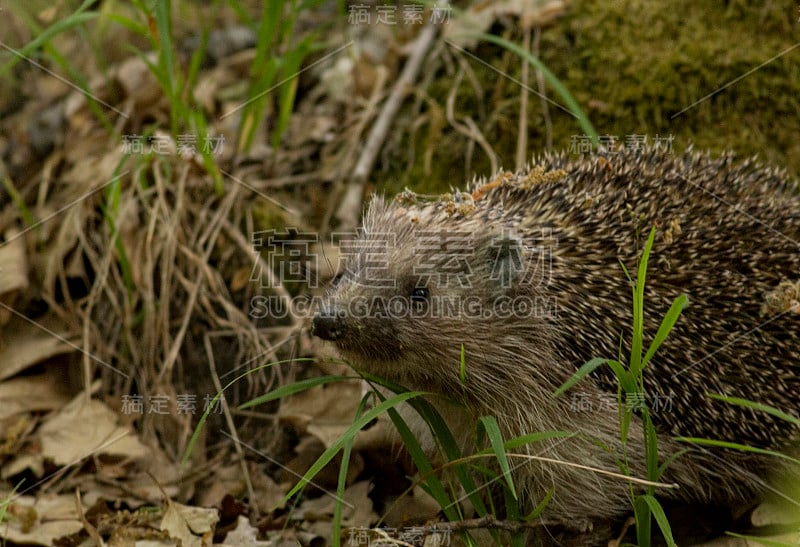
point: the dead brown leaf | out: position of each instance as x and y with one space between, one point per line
13 272
86 427
245 534
37 393
23 344
192 526
357 509
326 409
41 519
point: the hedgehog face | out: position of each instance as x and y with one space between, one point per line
415 284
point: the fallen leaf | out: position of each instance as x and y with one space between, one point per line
32 393
357 510
23 344
54 516
137 80
193 526
245 534
325 408
85 427
13 272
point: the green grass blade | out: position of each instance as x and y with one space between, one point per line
435 488
19 201
496 440
79 81
43 41
625 423
241 13
357 425
541 506
451 450
199 427
286 95
563 92
625 378
585 370
651 448
253 111
134 27
678 305
111 213
291 389
196 62
53 30
737 446
627 273
166 61
757 406
668 461
342 480
511 504
7 501
635 364
200 127
270 16
445 439
263 71
642 514
661 518
164 26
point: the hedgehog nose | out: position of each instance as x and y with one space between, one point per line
329 324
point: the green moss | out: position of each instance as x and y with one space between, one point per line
633 66
649 61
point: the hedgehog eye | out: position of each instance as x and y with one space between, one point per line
420 295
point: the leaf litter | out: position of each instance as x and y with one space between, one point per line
125 281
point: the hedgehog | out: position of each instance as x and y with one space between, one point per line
521 275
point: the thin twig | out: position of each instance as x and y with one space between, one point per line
209 238
351 147
264 268
489 522
231 426
548 124
468 128
91 530
522 135
346 214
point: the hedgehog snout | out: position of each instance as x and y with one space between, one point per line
329 324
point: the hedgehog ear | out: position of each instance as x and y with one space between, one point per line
506 259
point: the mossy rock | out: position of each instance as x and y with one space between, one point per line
719 75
